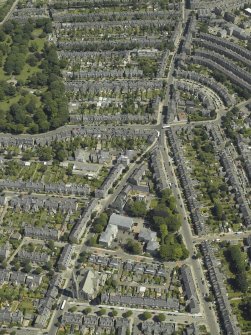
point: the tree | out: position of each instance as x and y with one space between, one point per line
102 312
137 208
98 228
27 267
92 241
237 263
2 35
73 309
242 281
165 252
38 270
127 314
100 223
16 265
236 259
218 211
33 47
60 155
4 264
246 308
27 155
162 215
48 266
87 310
163 232
51 245
33 128
172 249
114 313
102 219
146 315
111 190
32 60
45 154
161 317
133 247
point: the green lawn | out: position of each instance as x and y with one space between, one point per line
3 76
27 72
5 105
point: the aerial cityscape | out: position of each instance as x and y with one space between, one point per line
125 167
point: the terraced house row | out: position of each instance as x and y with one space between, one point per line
216 278
209 82
186 182
231 176
68 132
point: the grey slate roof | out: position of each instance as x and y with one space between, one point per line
121 221
65 257
228 319
170 303
147 235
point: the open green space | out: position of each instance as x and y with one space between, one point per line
32 94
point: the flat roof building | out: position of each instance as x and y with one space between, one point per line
121 221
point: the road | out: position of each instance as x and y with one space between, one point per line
52 327
170 316
207 314
186 232
223 237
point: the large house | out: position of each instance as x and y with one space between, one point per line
108 235
122 222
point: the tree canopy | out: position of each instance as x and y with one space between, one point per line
36 102
133 247
137 208
237 262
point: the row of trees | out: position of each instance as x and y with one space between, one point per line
237 262
166 221
165 214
